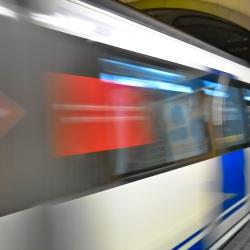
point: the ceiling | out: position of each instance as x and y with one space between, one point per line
240 6
222 23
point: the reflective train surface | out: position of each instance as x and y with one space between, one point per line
117 132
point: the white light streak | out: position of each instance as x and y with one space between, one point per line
111 29
7 12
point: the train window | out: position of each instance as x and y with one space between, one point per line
246 98
231 113
234 130
167 112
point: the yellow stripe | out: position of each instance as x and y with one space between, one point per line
145 4
196 5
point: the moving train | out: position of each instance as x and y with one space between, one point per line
117 132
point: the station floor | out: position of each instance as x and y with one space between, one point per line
241 241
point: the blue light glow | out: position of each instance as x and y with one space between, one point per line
246 94
147 72
215 93
142 83
209 84
247 98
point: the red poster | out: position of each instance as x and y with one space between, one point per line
91 115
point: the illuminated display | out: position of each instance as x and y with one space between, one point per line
89 115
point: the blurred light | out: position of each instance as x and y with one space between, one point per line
246 94
84 107
167 76
120 32
215 93
7 12
75 24
209 84
90 119
247 98
142 83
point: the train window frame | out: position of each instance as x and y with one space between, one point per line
245 86
112 52
233 82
